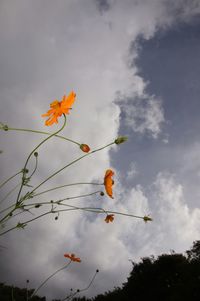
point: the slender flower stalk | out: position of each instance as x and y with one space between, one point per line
6 181
36 164
41 132
67 185
59 202
42 142
71 296
9 193
64 267
72 208
71 163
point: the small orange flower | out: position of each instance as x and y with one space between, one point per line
58 108
85 148
72 257
109 218
108 182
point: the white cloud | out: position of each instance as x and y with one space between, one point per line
176 221
48 49
144 115
132 172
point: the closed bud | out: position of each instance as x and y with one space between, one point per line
121 139
36 154
85 148
147 218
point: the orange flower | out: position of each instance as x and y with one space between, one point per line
108 182
58 108
109 218
85 148
72 257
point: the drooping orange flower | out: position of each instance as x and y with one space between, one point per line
109 218
58 108
85 148
108 182
72 257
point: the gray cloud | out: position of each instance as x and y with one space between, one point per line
103 5
48 49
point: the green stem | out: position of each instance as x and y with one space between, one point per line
36 290
69 297
59 202
42 142
71 208
5 197
2 184
72 184
61 169
41 132
36 165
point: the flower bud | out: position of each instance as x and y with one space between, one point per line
146 218
102 193
121 139
36 154
85 148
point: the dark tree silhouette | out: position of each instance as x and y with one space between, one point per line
169 277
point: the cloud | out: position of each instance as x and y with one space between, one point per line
143 115
132 172
47 50
103 5
175 218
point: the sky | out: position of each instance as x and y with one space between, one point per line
134 66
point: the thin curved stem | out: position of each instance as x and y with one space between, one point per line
36 165
81 290
74 161
59 202
41 132
36 290
5 197
71 208
2 184
42 142
72 184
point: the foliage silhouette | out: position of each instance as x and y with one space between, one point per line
169 277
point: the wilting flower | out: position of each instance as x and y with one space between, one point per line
146 218
58 108
109 218
72 257
85 148
108 182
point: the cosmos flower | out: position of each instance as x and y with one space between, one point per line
108 182
58 108
85 148
72 257
109 218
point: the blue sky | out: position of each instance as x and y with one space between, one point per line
135 68
170 63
